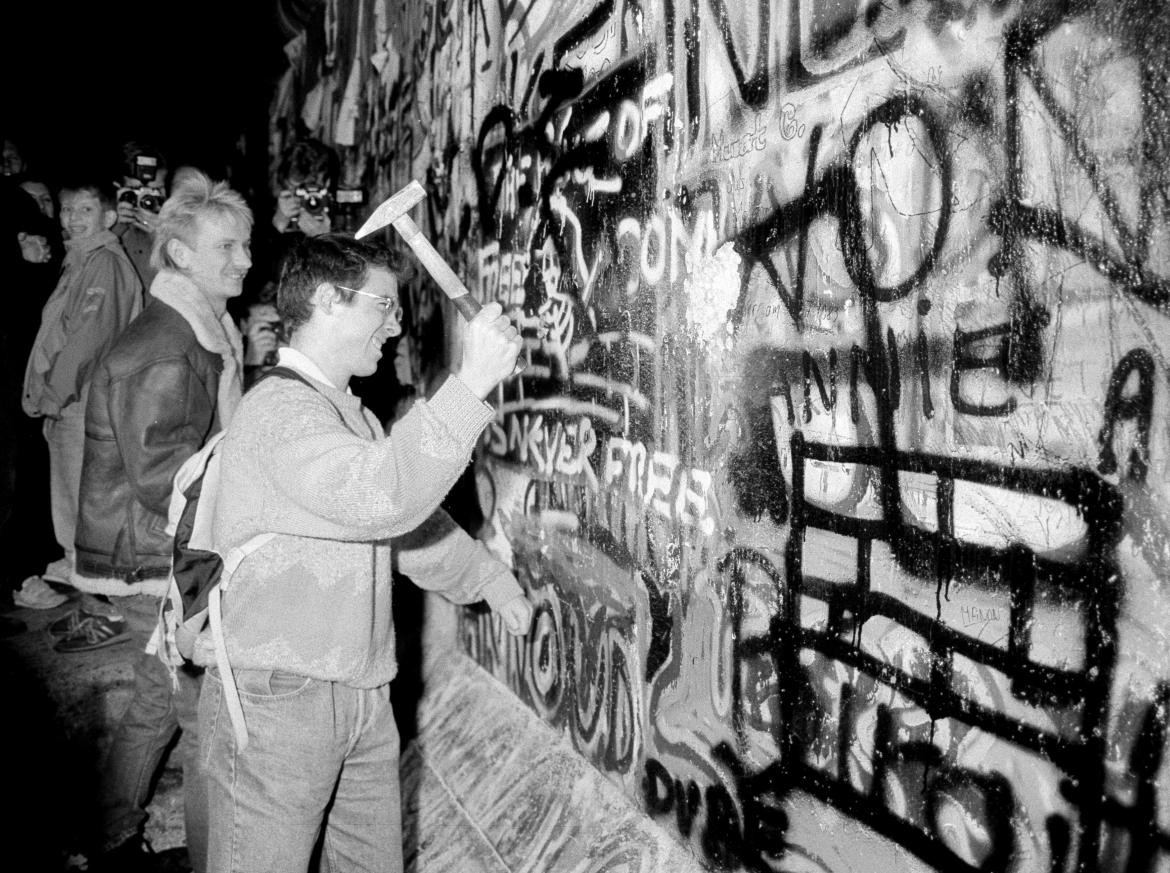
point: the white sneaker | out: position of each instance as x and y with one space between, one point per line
58 571
36 593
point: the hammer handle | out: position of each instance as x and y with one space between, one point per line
440 270
467 305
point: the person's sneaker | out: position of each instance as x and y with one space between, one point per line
174 860
36 593
67 624
58 571
93 632
97 604
132 856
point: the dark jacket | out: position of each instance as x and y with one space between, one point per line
152 405
137 244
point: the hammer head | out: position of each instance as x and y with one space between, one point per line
396 206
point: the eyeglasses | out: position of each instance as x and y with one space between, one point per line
388 305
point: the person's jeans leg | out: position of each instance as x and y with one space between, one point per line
266 802
364 828
139 743
194 787
66 439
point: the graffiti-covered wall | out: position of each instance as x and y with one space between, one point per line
839 467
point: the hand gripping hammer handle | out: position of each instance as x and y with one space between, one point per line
394 212
441 272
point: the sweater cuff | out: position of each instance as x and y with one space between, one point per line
500 590
464 414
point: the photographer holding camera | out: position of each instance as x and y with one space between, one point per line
304 191
140 197
307 177
305 198
263 333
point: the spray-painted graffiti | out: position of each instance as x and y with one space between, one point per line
578 664
839 466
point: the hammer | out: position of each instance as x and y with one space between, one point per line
394 211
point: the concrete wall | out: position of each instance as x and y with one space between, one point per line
839 468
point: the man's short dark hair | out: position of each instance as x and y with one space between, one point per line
331 257
308 160
103 191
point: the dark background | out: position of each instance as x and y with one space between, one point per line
193 78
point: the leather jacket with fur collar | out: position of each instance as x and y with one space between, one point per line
152 404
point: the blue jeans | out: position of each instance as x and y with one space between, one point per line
155 713
320 755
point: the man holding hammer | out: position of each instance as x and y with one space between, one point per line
307 622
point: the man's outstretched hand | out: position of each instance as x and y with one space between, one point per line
516 615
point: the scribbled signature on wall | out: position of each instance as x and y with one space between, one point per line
839 467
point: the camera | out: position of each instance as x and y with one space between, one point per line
349 203
271 358
145 168
351 196
276 328
314 201
149 199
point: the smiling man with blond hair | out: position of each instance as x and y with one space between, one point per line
172 381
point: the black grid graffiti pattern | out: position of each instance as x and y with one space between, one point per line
1091 584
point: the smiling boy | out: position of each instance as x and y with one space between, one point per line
96 297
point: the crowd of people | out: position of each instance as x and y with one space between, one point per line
155 314
95 229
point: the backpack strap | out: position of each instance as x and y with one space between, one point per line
285 372
231 563
282 371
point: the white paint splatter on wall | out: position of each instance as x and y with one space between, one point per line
712 290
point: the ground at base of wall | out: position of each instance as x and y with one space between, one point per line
59 714
489 788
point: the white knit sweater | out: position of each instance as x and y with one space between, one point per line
315 468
